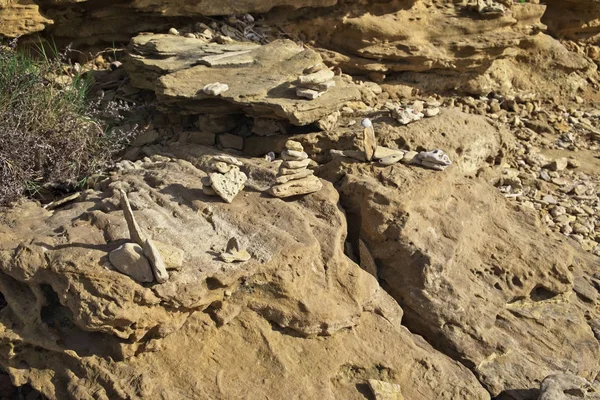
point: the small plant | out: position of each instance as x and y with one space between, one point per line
50 134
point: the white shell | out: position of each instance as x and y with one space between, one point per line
366 123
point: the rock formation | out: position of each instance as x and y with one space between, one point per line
87 330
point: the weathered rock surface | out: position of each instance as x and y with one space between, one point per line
259 78
567 387
445 45
74 327
494 290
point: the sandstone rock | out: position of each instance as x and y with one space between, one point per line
385 391
156 262
221 167
297 187
293 155
228 185
284 178
469 288
135 232
229 160
559 164
164 341
200 137
296 164
319 77
130 260
318 87
567 387
382 152
258 78
409 157
308 93
294 145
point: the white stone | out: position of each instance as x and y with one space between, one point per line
215 89
321 76
308 93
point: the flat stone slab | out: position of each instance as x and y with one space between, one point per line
260 77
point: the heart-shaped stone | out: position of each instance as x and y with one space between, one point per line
228 185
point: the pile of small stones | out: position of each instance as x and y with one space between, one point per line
411 113
294 177
315 81
225 178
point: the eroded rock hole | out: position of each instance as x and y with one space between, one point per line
53 313
540 293
3 302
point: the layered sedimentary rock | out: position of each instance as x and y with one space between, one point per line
259 77
441 45
573 19
298 318
483 282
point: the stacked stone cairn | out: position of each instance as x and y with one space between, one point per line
225 178
294 178
315 81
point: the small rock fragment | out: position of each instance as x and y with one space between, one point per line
234 252
560 164
369 140
294 145
215 89
308 93
390 160
173 31
156 261
135 233
385 391
321 76
293 155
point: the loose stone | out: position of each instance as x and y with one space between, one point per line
308 93
228 185
293 155
369 140
215 89
298 175
306 185
156 262
295 164
135 233
129 259
294 146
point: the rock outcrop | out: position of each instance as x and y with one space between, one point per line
73 326
481 281
259 78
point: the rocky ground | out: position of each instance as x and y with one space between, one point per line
469 273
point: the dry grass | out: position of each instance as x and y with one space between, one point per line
50 134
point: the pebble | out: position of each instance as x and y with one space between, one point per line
173 31
308 93
297 187
215 89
